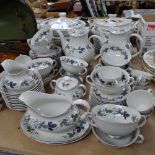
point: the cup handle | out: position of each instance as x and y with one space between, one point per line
55 72
82 103
131 81
54 63
84 89
88 80
140 139
52 84
84 71
141 43
142 122
61 72
89 118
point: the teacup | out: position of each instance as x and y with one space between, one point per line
42 65
109 87
115 120
142 101
68 86
50 112
73 65
142 79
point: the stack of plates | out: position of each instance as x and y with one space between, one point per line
97 97
74 134
11 97
148 62
56 53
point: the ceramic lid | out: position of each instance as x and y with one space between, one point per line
65 23
67 83
112 22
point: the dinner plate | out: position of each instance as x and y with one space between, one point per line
75 134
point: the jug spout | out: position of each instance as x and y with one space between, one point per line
63 39
12 67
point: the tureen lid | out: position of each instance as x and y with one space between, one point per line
112 22
65 23
67 83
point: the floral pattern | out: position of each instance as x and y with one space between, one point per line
116 49
114 112
38 64
108 83
51 126
71 61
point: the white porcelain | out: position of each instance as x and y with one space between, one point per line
115 55
11 97
75 134
64 24
148 59
73 65
115 120
125 141
43 65
23 59
52 113
68 86
41 41
79 45
118 31
111 87
17 77
142 101
142 79
111 98
80 77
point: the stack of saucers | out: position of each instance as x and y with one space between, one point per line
109 84
116 125
148 62
11 97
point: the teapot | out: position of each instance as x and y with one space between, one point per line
79 44
52 113
17 76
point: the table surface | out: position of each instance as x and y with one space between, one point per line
12 139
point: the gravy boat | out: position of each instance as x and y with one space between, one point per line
50 112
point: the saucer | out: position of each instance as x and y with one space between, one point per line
75 134
111 98
134 137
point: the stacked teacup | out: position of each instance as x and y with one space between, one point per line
73 67
42 46
109 84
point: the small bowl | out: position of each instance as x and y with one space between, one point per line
142 101
115 120
73 65
115 55
42 65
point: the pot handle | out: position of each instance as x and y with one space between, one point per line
140 139
142 122
61 71
89 80
101 39
52 84
84 89
141 43
89 118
